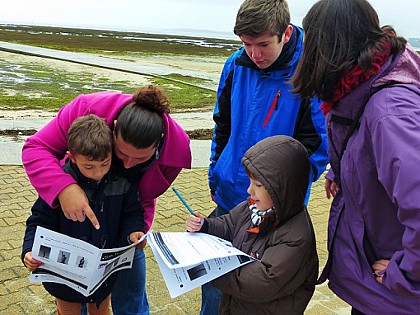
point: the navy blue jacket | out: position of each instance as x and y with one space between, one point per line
115 202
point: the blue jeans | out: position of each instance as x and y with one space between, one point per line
210 299
210 296
128 296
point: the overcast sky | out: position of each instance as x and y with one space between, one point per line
143 15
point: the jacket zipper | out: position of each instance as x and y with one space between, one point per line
272 108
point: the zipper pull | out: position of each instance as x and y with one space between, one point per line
104 237
274 105
277 99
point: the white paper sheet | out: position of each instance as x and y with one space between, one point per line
188 260
76 263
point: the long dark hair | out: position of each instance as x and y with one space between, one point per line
141 123
339 34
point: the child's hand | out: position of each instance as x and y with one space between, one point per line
30 263
194 223
135 236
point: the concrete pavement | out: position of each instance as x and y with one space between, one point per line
18 296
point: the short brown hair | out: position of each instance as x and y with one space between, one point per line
257 17
90 136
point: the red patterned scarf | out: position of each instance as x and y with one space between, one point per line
257 216
356 76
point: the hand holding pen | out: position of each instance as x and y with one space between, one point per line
195 220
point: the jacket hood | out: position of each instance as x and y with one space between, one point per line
281 164
405 70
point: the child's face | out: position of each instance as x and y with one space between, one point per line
91 168
260 195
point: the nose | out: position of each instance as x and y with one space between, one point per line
129 162
98 174
256 53
249 190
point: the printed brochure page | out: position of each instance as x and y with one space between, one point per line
188 260
76 263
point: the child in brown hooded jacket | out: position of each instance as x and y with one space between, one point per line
274 226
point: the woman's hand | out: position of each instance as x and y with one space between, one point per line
379 268
331 188
75 205
30 263
194 222
135 236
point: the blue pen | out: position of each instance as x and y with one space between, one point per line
184 202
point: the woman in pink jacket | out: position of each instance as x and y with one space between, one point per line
150 149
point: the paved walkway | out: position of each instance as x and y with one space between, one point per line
18 296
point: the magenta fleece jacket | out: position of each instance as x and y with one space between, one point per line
42 152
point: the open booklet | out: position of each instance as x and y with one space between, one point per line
76 263
188 260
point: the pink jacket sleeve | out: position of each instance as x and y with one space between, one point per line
41 154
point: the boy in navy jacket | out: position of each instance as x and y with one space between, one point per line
114 201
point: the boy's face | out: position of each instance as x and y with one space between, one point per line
266 48
261 196
89 168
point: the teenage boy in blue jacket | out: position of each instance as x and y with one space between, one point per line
254 101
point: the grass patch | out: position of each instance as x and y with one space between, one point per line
184 97
31 86
34 87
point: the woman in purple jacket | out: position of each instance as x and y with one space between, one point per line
150 149
369 79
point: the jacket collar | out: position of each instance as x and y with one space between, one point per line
349 105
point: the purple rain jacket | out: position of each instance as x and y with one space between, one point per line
376 213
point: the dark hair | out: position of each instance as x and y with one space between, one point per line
257 17
141 123
339 34
90 136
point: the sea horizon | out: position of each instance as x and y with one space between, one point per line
164 31
148 30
